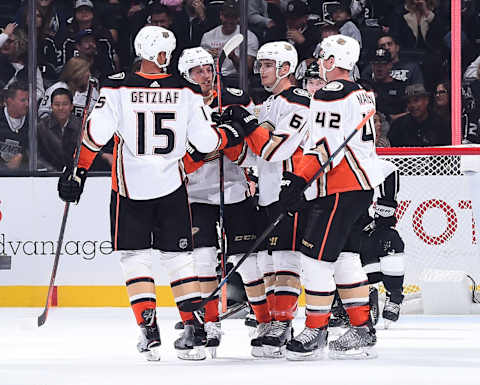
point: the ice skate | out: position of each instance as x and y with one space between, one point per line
257 339
214 336
309 345
149 341
275 340
191 344
339 318
391 312
357 343
251 323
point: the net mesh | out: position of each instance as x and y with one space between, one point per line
435 217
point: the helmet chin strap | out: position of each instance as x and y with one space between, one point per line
324 70
271 88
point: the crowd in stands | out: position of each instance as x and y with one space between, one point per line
405 60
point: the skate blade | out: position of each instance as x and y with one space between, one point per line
251 331
316 355
257 351
212 351
273 351
195 354
386 323
153 354
366 353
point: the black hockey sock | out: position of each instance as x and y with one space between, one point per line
394 286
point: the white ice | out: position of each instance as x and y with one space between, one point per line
82 346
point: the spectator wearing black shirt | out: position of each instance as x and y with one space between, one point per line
58 132
303 35
420 127
84 20
192 23
343 20
402 70
14 127
389 91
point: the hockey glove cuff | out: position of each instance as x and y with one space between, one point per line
292 197
234 133
240 115
70 187
385 213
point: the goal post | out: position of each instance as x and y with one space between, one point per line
438 211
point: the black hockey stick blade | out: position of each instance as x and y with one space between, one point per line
42 318
188 307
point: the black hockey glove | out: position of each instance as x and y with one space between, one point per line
70 186
196 155
292 198
234 133
240 115
385 213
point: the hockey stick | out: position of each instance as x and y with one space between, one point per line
274 224
43 317
227 49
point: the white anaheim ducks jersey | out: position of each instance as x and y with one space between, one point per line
151 118
335 111
283 126
79 100
203 184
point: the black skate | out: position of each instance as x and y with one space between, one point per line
308 345
191 344
374 309
356 343
391 311
179 325
275 340
251 323
257 340
214 336
149 341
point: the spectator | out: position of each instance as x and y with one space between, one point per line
192 23
441 101
343 20
74 77
86 48
14 127
304 36
404 71
420 127
214 40
381 130
325 31
52 18
389 91
13 60
419 28
57 132
84 24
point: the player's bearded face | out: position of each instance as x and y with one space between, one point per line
268 73
203 75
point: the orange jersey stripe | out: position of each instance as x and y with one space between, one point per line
327 230
86 158
114 164
258 139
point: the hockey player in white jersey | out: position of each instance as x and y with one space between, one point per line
151 116
197 66
276 141
336 201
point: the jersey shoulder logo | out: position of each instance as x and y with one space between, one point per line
301 92
154 84
235 91
119 76
333 86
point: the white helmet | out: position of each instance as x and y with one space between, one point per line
344 49
281 52
151 40
194 57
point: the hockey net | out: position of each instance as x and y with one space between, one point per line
435 216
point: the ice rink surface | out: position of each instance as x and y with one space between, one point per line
98 347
